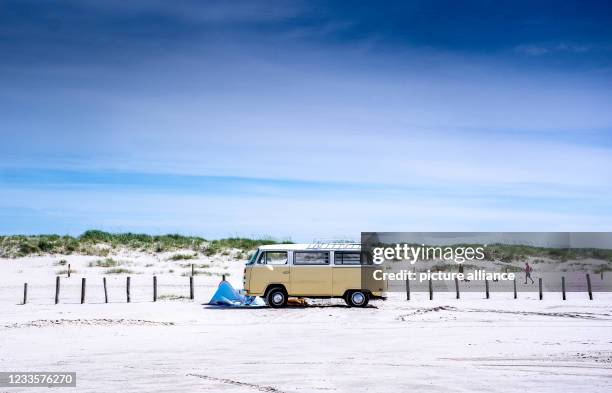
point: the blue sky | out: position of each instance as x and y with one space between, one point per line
305 119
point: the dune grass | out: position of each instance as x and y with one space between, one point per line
602 269
118 270
508 253
451 267
182 257
106 262
100 243
65 271
203 273
195 265
196 273
172 297
223 245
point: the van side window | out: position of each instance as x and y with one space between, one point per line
311 258
347 258
273 258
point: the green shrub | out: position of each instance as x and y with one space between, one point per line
45 245
28 248
71 245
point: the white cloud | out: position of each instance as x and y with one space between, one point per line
562 47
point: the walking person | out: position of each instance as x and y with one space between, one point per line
528 270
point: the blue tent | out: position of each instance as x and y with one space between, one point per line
226 295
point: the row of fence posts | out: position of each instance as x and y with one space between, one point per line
191 288
487 295
127 288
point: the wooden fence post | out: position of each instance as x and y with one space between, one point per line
105 291
487 288
191 287
588 277
154 288
407 289
601 274
192 270
457 286
515 288
82 290
430 290
25 293
540 286
68 270
563 286
127 288
57 289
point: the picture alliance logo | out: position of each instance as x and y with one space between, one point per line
412 253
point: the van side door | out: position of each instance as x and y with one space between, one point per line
311 274
272 267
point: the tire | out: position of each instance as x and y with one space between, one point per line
276 298
357 299
346 298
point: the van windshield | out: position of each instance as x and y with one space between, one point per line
253 257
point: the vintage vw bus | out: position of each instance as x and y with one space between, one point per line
320 270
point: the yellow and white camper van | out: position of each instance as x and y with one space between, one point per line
320 270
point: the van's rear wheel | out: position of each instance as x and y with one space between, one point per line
276 298
357 299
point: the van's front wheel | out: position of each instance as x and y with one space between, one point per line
357 299
276 298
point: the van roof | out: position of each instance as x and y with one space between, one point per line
313 246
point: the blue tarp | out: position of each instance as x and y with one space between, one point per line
226 295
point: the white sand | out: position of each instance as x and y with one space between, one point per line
472 344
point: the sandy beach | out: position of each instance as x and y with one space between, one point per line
175 344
